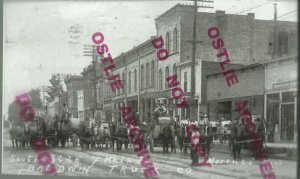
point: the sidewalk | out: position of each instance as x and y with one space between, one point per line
285 151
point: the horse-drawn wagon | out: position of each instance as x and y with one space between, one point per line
161 130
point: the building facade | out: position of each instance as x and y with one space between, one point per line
80 103
221 98
73 84
92 77
247 40
280 98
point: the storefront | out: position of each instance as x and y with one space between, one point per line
281 99
226 108
221 98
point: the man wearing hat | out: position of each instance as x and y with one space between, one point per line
194 156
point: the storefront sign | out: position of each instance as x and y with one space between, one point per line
285 85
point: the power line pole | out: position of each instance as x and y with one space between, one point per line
193 62
90 50
274 50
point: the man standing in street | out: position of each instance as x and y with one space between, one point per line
233 139
194 155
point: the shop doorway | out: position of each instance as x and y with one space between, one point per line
287 122
224 110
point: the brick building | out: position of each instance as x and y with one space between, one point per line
73 84
92 76
221 98
80 103
137 71
271 91
248 41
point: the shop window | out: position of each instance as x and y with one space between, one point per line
288 97
272 114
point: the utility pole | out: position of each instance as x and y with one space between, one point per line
126 83
90 50
193 61
139 87
274 49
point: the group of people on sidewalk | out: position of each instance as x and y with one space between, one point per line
237 136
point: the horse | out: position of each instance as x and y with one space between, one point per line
166 138
112 131
63 133
16 135
208 138
122 137
12 134
182 139
85 135
25 139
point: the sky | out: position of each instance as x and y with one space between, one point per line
38 42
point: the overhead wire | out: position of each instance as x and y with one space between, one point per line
288 13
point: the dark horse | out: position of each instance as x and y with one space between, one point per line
166 137
236 139
208 138
16 136
86 133
182 139
122 137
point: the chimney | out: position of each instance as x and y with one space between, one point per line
251 15
220 13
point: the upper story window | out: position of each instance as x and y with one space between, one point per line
152 73
166 76
135 80
160 80
280 45
142 77
118 92
167 41
175 40
175 70
123 81
129 82
283 40
147 75
185 82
